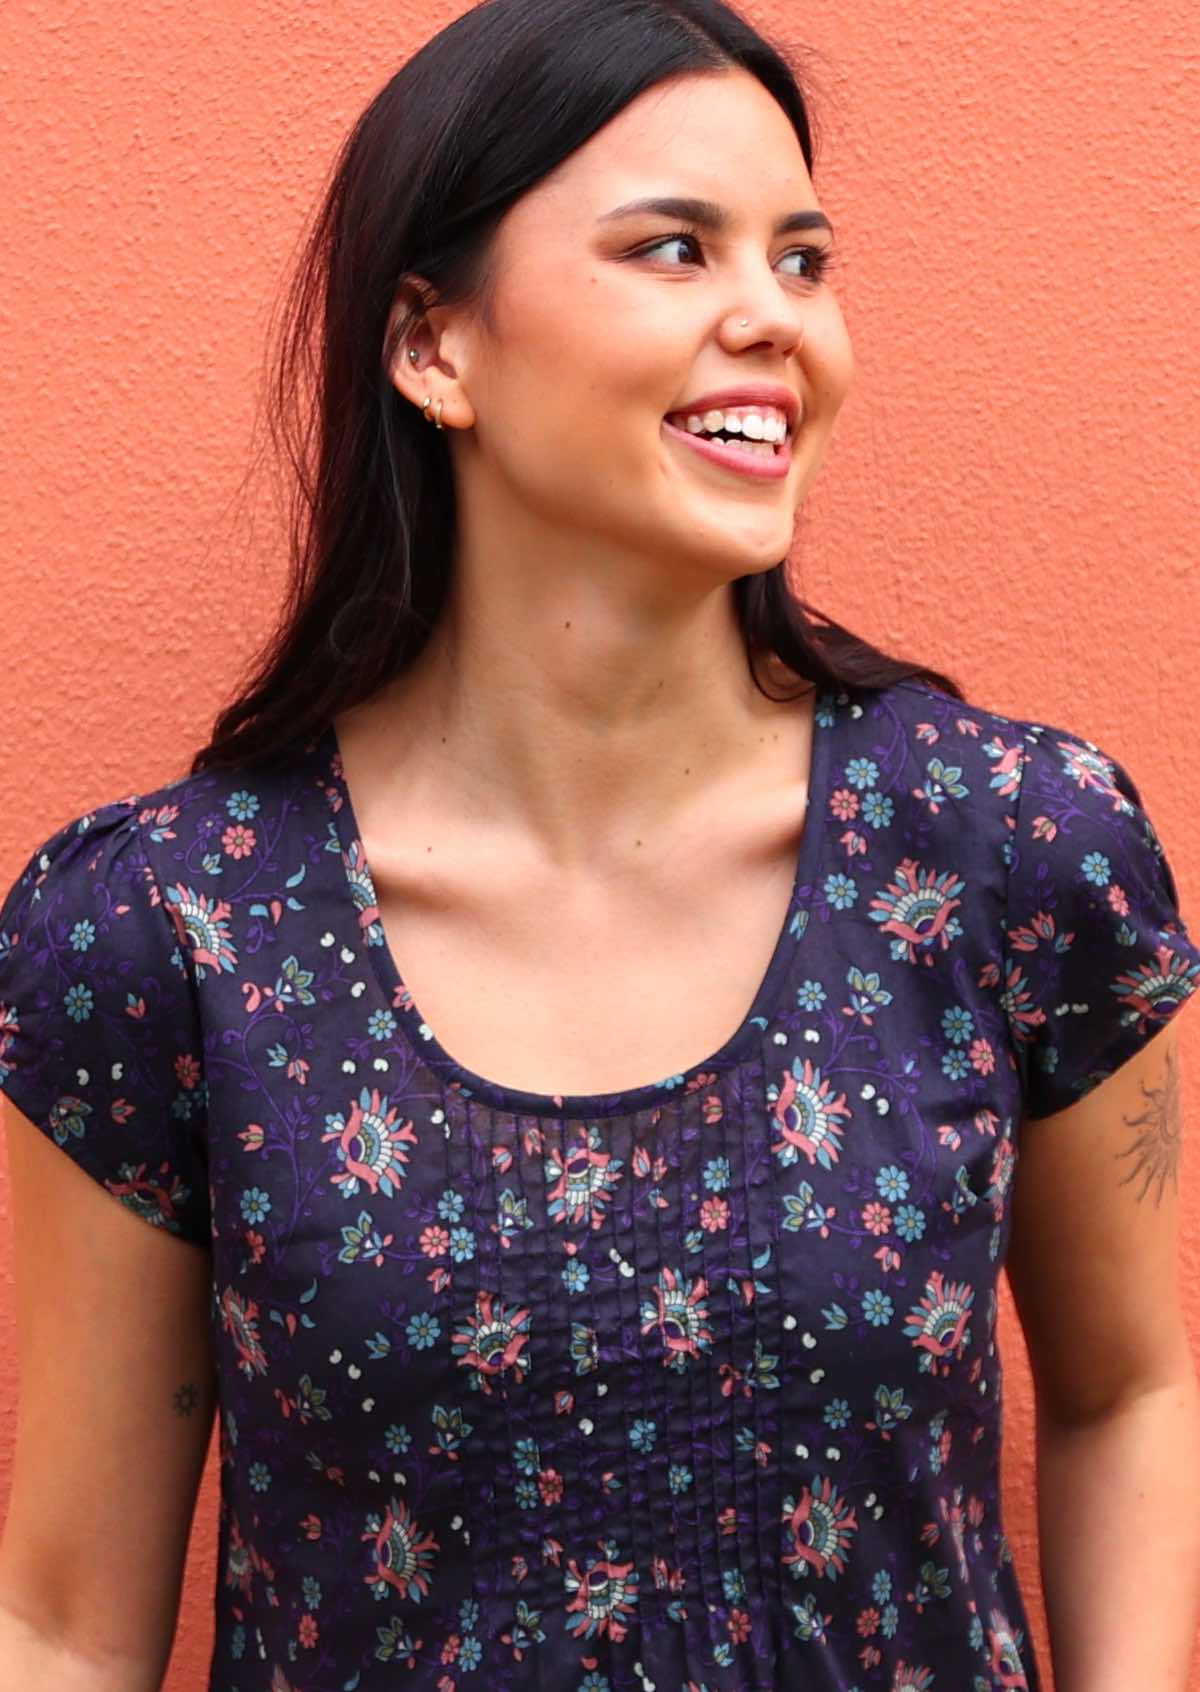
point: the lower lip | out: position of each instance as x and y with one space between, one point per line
756 465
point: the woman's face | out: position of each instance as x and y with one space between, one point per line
602 326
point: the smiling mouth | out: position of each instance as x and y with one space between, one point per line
751 461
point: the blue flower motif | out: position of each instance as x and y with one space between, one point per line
82 935
462 1244
468 1614
643 1435
381 1024
423 1330
955 1064
450 1205
526 1494
909 1222
958 1024
877 1308
242 805
716 1175
837 1413
311 1588
881 1586
679 1478
527 1458
470 1653
1097 869
891 1182
841 891
862 772
397 1439
576 1275
237 1643
810 995
733 1583
594 1681
878 809
78 1002
260 1477
889 1620
256 1204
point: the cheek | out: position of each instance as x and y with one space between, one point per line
833 355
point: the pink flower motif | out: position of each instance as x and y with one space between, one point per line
550 1486
738 1626
877 1218
238 841
714 1215
983 1057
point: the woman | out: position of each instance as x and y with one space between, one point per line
534 1369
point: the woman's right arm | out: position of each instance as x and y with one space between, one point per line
116 1405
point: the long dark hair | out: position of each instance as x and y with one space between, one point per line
477 117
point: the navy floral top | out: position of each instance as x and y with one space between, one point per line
694 1387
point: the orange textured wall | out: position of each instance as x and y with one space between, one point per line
1011 491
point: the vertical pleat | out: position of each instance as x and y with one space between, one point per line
776 1598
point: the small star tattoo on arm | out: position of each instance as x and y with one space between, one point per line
1155 1147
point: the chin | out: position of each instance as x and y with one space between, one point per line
735 560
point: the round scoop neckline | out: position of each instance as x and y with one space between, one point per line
428 1049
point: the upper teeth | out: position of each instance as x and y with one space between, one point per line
759 424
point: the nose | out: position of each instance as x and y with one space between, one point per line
763 311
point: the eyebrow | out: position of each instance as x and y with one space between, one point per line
709 215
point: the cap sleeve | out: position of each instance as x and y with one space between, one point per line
1098 958
99 1039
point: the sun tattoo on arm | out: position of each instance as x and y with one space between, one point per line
1155 1146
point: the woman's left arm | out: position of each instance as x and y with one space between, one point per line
1093 1267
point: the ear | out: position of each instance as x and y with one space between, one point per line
408 326
417 324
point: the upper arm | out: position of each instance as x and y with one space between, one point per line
116 1402
1092 1258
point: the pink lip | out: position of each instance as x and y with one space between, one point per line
753 464
748 393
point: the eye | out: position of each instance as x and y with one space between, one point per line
819 260
680 235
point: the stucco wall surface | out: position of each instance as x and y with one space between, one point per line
1011 494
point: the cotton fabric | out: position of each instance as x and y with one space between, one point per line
693 1387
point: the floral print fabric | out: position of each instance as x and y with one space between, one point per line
694 1387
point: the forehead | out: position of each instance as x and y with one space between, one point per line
718 136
